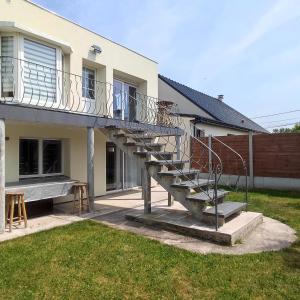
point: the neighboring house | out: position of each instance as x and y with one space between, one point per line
210 115
56 77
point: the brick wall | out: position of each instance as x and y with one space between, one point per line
274 155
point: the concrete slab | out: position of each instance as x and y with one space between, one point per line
182 222
111 209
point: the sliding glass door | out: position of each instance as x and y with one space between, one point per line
122 170
124 101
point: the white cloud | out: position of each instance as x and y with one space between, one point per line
224 56
280 13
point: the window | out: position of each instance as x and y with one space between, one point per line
7 66
40 157
51 156
124 101
88 83
29 157
199 133
40 75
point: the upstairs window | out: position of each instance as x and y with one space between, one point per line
40 74
88 83
7 66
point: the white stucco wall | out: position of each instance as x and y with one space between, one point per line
74 151
218 130
165 92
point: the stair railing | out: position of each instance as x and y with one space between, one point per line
244 166
164 117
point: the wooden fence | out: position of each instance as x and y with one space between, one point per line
266 155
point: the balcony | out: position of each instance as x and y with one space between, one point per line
37 93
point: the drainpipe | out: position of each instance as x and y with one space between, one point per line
90 166
2 175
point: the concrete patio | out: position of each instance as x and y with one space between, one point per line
111 210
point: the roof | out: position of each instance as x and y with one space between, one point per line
219 110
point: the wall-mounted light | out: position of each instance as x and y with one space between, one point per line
96 49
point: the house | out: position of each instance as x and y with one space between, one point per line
75 106
209 115
60 85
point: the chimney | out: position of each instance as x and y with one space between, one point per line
221 97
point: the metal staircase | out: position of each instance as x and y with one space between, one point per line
164 151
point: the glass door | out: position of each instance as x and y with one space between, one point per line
122 170
124 101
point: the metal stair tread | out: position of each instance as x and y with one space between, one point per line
140 144
190 184
153 153
167 162
207 196
148 136
226 209
178 172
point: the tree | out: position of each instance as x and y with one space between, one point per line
294 129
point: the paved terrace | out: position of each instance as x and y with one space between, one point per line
111 210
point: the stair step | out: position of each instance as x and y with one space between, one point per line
149 135
226 209
191 184
167 162
117 135
111 127
155 153
207 196
140 144
179 172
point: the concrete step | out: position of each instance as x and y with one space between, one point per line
192 184
161 155
149 135
145 145
226 210
167 162
207 196
179 172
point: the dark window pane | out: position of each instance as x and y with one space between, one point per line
28 157
51 156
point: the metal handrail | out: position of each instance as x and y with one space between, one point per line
243 163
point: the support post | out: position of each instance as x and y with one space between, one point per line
147 188
209 154
178 146
251 171
90 166
2 175
170 200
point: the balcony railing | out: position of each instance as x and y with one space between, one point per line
30 84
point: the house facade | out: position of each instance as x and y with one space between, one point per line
209 115
53 64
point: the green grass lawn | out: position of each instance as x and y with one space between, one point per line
89 260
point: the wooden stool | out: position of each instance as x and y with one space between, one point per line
13 198
81 195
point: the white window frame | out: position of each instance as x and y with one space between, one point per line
15 55
123 83
85 100
59 77
40 157
19 86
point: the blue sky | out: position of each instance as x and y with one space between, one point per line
247 50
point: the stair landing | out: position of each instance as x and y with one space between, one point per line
179 220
